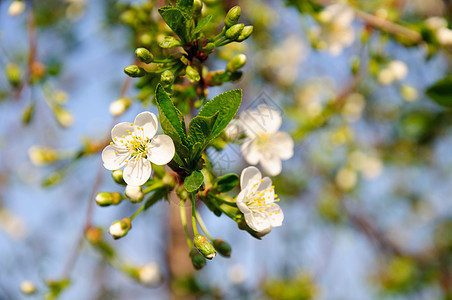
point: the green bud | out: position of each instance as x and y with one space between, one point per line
234 31
236 63
197 259
134 71
192 74
144 55
128 17
167 78
27 113
197 7
232 17
170 42
204 246
63 116
246 32
222 247
235 76
120 228
197 104
209 47
106 198
13 74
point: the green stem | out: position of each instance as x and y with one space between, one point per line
223 201
217 37
222 43
193 213
203 226
140 210
183 219
153 186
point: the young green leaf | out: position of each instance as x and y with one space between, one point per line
226 105
441 91
200 128
179 21
202 23
185 5
193 181
172 121
227 182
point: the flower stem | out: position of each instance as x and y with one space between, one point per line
183 219
140 210
223 201
193 213
217 37
203 226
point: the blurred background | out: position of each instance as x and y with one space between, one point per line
363 89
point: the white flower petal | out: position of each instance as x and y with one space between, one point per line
249 177
271 164
270 118
241 198
119 132
148 121
282 145
266 187
161 150
250 151
257 221
275 215
114 157
137 172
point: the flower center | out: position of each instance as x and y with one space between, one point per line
261 201
136 144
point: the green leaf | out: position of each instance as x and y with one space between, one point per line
185 6
227 182
172 121
192 74
200 128
179 21
226 105
441 91
202 23
193 181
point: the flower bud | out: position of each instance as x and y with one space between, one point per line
106 198
234 76
222 247
120 228
246 32
16 8
134 193
13 74
27 287
204 246
144 55
117 176
134 71
197 259
170 42
236 63
119 106
27 113
409 93
167 78
93 234
234 32
41 156
63 116
232 16
197 8
209 47
192 74
149 274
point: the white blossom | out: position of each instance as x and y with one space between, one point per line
16 8
135 146
134 193
439 27
395 70
256 201
149 274
264 144
336 31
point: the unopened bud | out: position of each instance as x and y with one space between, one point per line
149 274
16 8
170 42
119 106
27 287
27 113
222 247
13 74
204 246
167 78
144 55
197 8
120 228
134 193
134 71
197 259
41 156
234 31
236 63
93 234
209 47
409 93
192 74
232 16
63 116
117 176
106 198
246 32
235 76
